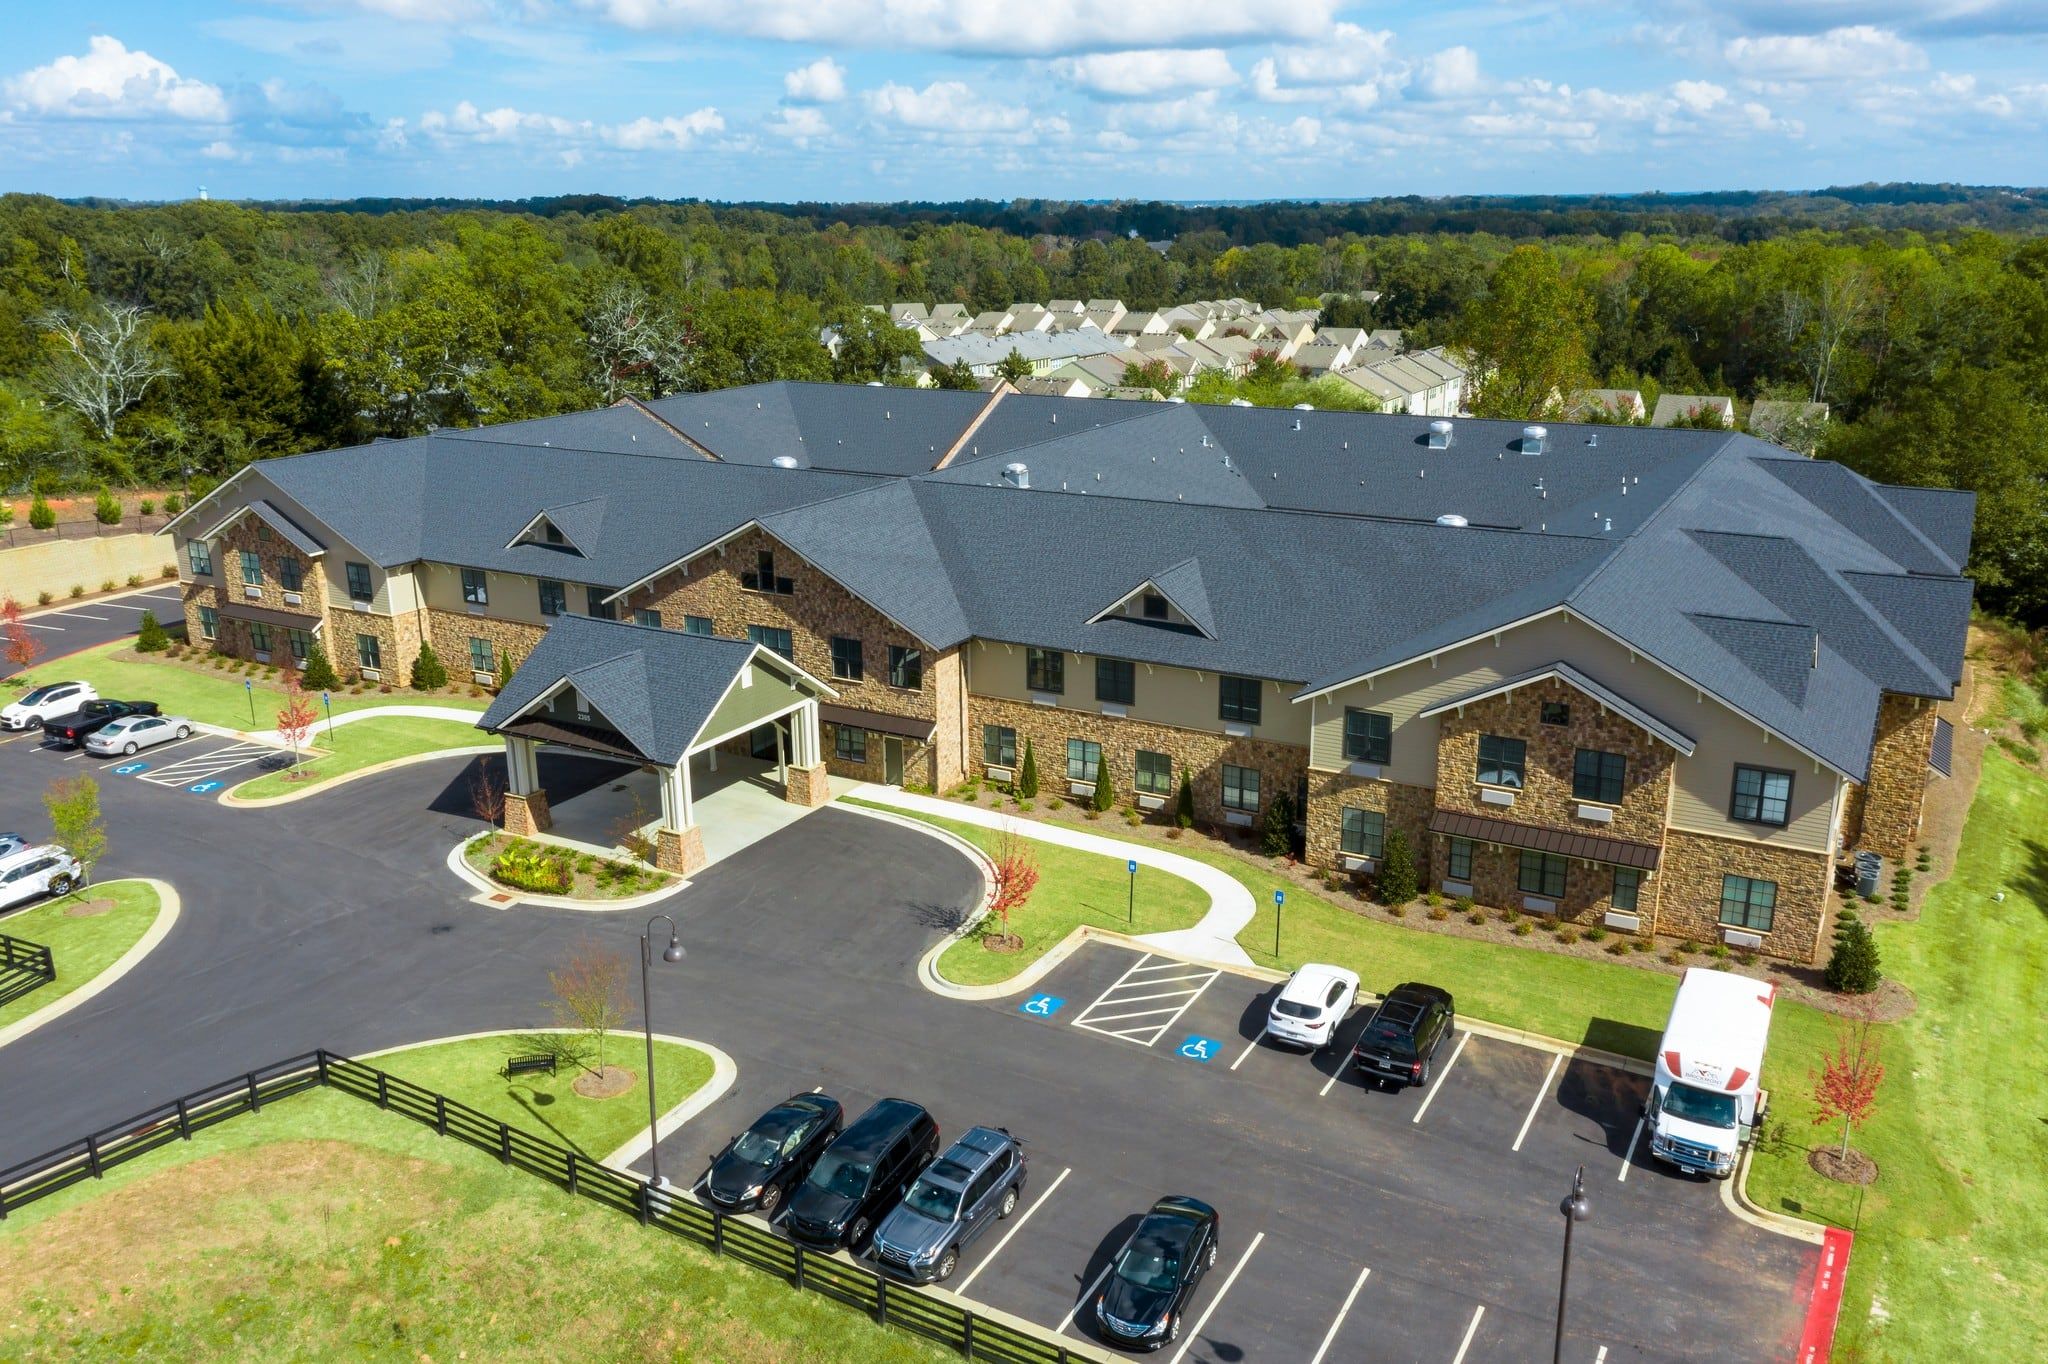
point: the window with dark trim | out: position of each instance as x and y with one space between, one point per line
476 589
259 636
252 568
1240 788
1543 874
846 660
763 578
906 667
772 637
481 658
209 622
290 575
554 598
359 585
697 625
1154 773
300 642
1363 833
596 607
1116 681
1458 862
999 745
369 654
1748 903
650 619
1152 606
1598 776
1368 736
1084 760
1627 882
200 557
1501 761
1045 670
1763 795
850 744
1556 713
1237 699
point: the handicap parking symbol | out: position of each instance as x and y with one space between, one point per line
204 788
1041 1006
1202 1049
130 769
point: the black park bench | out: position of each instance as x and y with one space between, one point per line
521 1065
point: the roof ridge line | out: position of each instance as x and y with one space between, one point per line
1670 501
640 406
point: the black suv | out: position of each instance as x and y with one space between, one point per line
1400 1042
91 718
862 1174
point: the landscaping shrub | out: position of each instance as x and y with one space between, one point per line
1397 882
45 597
1184 804
1477 916
1747 956
1398 909
6 514
150 638
1641 945
1027 775
1105 789
528 866
1719 951
1276 828
318 674
170 571
1567 935
39 514
1523 928
173 504
1464 904
427 672
77 590
1439 913
1596 933
1853 967
108 585
135 580
106 509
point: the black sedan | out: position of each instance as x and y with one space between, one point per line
1155 1274
760 1165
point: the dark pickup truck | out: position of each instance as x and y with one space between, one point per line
1400 1041
90 718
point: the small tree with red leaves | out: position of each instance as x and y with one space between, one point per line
1846 1085
487 792
295 721
1016 876
591 995
21 645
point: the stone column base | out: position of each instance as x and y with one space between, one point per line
807 786
679 850
528 814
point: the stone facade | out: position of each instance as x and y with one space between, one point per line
1588 886
528 814
278 556
1889 813
1404 807
451 632
679 850
807 786
1689 895
1197 753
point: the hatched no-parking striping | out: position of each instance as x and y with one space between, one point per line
1147 999
202 769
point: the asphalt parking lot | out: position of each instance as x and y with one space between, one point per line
80 625
202 765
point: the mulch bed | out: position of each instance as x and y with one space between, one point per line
1001 942
608 1083
1827 1162
87 909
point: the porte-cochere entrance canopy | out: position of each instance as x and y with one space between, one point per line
655 697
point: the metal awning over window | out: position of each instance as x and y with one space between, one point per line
1942 756
880 722
1564 842
270 615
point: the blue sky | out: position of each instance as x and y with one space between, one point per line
940 99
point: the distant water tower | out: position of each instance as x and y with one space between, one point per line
202 194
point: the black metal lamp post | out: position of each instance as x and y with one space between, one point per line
1575 1209
672 953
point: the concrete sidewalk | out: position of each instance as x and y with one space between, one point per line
1213 939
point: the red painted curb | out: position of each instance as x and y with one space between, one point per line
1825 1306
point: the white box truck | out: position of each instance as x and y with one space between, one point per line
1707 1103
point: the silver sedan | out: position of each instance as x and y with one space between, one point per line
132 733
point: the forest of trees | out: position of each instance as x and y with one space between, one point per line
141 341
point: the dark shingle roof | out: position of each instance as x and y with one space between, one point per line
619 430
883 431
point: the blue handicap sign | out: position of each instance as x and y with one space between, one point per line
204 788
130 769
1198 1048
1132 866
1041 1006
1279 897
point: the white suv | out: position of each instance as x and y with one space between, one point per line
36 872
46 703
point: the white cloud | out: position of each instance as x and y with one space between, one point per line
467 122
1451 73
111 81
1859 51
822 82
944 106
1142 74
988 27
1348 54
1698 96
801 123
509 126
220 151
665 134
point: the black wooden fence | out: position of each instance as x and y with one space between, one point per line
934 1316
24 966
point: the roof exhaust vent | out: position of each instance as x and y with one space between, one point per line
1452 519
1297 423
1593 438
1532 439
1017 475
1439 435
784 461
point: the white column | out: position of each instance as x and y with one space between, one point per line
679 795
522 769
781 752
804 734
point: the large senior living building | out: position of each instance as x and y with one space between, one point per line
1658 678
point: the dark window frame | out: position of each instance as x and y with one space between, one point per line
1227 783
773 638
850 744
1083 770
1231 705
1627 894
369 652
996 740
1139 774
1554 713
698 625
1747 902
291 574
1460 850
476 587
361 586
1366 836
1154 606
484 660
252 568
199 558
1544 865
259 636
596 607
847 663
1116 681
648 618
1495 771
906 668
554 596
1762 798
1604 781
1368 736
1045 670
209 623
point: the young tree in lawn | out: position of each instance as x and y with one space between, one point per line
1016 876
21 646
149 636
1397 880
1027 774
428 674
1276 833
1846 1085
1184 804
591 995
1105 787
318 674
295 721
73 804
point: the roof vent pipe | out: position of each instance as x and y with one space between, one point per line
1017 475
1297 423
1452 519
783 462
1532 439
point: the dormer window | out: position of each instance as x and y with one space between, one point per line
550 534
1152 606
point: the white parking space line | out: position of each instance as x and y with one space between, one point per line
1332 1084
1601 1358
1139 1013
1629 1155
1163 994
1015 1227
1537 1102
33 625
1203 1320
1456 1052
1068 1320
1470 1331
1166 965
1111 1005
79 615
1342 1313
1249 1048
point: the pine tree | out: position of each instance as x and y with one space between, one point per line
151 639
1853 966
318 674
39 514
504 668
1105 789
427 672
1397 880
1184 804
1027 775
1276 833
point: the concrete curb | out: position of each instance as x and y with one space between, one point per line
230 799
1735 1197
168 909
723 1072
488 891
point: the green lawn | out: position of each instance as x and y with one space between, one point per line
544 1104
81 947
365 744
1073 888
322 1229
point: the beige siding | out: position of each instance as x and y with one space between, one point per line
745 707
513 596
1180 697
1701 784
